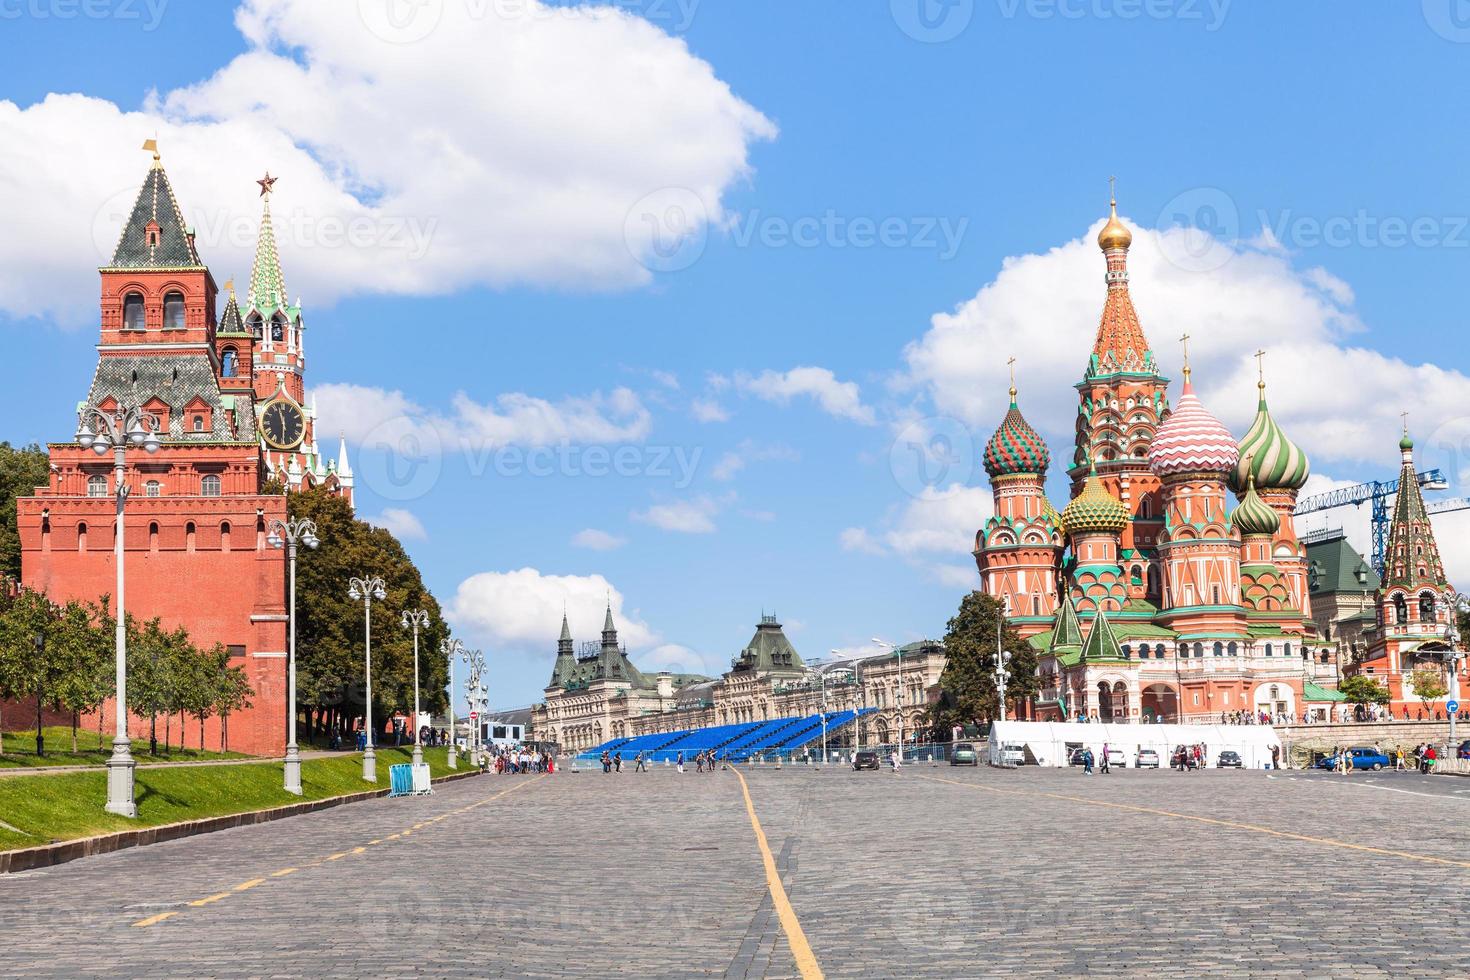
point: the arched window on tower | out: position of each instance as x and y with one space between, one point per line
278 328
96 486
209 486
1400 609
1426 607
1219 649
253 322
173 311
82 536
189 532
229 363
133 312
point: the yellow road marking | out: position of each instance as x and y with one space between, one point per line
197 903
801 950
213 898
1215 821
155 919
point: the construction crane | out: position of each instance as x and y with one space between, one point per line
1380 492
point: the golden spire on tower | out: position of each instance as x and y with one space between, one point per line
1115 234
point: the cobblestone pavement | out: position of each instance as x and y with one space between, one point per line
934 871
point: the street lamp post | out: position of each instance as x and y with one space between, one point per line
367 589
1002 658
117 431
287 534
451 649
475 659
416 619
859 699
1456 601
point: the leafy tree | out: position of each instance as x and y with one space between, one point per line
1428 685
1360 689
968 693
30 632
329 649
87 677
22 470
231 689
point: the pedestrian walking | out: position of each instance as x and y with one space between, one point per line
679 762
640 763
606 761
1103 768
895 760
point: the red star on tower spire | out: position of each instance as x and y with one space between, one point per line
266 182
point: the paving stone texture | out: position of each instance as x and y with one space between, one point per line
930 872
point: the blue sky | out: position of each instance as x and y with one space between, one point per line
1319 146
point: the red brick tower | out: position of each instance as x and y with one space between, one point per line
195 548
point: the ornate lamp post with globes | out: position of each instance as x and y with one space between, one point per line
450 649
100 431
476 661
367 589
287 534
416 619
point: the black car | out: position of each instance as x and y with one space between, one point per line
865 760
1228 760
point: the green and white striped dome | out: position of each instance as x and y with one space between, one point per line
1275 461
1254 515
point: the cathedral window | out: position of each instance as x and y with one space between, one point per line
1400 609
1286 649
1199 649
1127 652
1426 607
133 311
229 364
173 311
1219 649
1268 649
210 486
96 486
1232 649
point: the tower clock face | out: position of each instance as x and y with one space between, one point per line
283 425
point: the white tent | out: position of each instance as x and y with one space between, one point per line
1050 743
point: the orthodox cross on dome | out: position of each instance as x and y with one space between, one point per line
1012 365
1405 417
266 183
1185 341
1113 190
1260 357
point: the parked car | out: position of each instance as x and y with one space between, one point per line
964 754
1361 756
1147 759
1464 750
865 760
1116 759
1228 760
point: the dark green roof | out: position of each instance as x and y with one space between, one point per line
768 650
173 249
1335 566
1311 692
1102 644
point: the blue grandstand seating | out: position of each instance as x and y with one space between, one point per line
780 736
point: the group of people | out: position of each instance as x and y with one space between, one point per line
517 760
703 761
1188 757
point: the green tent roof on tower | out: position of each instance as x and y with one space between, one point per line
1411 561
1068 631
267 293
1102 643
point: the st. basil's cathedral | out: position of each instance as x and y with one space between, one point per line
1147 598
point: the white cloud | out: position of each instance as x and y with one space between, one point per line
521 611
402 524
840 399
749 451
708 410
514 418
562 120
927 529
677 659
597 540
694 516
1044 308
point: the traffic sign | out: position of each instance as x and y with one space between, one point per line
1452 706
474 715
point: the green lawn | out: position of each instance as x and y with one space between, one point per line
65 806
20 749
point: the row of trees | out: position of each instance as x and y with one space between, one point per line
62 658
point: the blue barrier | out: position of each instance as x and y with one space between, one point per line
400 780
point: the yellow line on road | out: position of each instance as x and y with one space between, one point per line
244 885
1215 821
801 950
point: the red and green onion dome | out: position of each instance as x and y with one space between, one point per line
1016 448
1094 510
1192 440
1254 515
1266 454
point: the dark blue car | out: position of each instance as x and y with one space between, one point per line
1362 758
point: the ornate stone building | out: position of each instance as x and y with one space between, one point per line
600 694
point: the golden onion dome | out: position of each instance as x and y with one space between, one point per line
1094 510
1115 234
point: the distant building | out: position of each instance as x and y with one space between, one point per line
1344 593
600 694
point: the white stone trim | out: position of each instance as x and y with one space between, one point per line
269 655
269 618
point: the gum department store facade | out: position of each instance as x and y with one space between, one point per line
1147 598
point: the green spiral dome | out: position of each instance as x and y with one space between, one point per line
1254 515
1266 454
